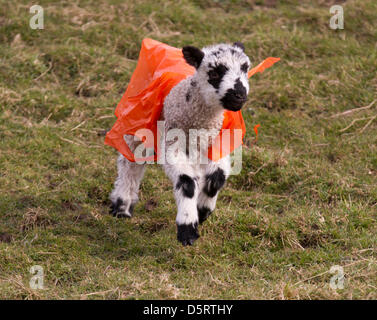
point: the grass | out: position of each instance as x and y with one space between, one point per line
306 198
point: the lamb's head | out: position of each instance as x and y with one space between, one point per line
221 73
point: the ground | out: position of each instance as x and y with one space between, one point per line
306 199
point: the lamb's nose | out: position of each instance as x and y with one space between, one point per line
240 95
240 91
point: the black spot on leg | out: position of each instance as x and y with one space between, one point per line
118 209
193 83
214 182
188 96
187 185
131 209
203 214
115 206
187 233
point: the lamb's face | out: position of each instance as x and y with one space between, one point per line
222 74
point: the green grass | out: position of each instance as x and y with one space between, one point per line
306 198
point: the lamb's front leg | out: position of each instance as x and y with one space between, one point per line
186 195
186 192
215 175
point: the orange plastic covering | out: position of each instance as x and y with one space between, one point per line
160 67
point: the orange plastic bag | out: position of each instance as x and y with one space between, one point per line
160 67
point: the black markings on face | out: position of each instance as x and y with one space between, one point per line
216 74
214 182
244 67
239 89
235 97
187 185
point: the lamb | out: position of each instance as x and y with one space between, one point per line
220 83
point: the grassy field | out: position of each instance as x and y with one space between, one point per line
306 199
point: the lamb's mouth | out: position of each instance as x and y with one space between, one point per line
232 104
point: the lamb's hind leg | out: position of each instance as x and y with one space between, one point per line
126 187
212 181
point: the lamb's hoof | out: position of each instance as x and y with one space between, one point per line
187 233
119 209
203 213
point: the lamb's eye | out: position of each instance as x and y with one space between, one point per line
244 67
214 75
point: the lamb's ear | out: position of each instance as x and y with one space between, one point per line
239 45
193 56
